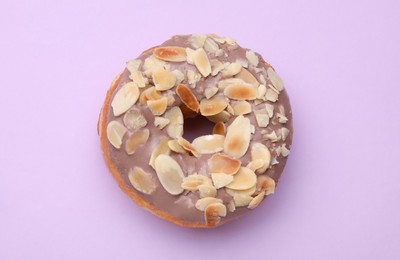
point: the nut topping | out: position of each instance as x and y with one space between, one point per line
275 79
208 144
241 107
237 137
207 190
213 213
221 179
115 133
141 180
175 126
256 200
201 61
161 148
175 146
133 120
213 106
242 91
219 129
169 173
125 98
187 97
261 152
252 57
135 140
202 204
188 146
265 184
243 180
192 182
174 54
158 107
161 122
221 163
164 79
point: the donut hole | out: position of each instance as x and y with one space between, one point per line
197 126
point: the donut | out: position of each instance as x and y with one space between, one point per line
218 176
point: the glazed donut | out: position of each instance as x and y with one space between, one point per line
219 176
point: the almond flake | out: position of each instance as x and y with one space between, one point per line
221 163
161 148
284 133
284 151
213 213
270 109
125 97
161 122
221 179
252 57
149 94
265 184
261 91
202 204
213 106
115 133
261 152
174 54
152 64
231 206
207 190
256 200
133 65
222 84
219 129
231 70
141 180
230 110
248 192
158 107
169 173
255 164
210 45
210 92
136 139
220 117
243 62
170 100
241 107
247 77
188 146
272 136
242 200
138 79
242 91
187 97
208 144
201 61
189 55
271 95
263 80
192 182
179 76
187 112
244 179
216 67
197 40
133 120
237 137
281 118
193 77
164 79
175 126
222 40
175 146
275 79
262 117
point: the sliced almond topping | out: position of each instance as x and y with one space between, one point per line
169 173
175 126
272 136
243 91
210 92
201 61
221 163
270 109
174 54
271 95
133 65
242 200
208 144
189 55
261 152
265 184
243 62
152 64
248 192
220 117
219 128
213 106
213 213
179 76
133 120
187 97
230 110
256 200
175 146
222 40
138 79
263 80
188 146
192 182
222 84
141 180
284 151
115 133
197 40
252 57
261 91
170 100
281 118
244 179
125 97
161 148
262 117
284 133
187 112
241 107
136 139
211 46
238 137
207 190
231 206
149 94
247 77
275 79
158 107
202 204
164 79
255 164
193 77
231 70
161 122
216 67
221 179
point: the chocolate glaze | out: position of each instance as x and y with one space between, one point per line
182 206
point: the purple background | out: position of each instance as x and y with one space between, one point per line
338 197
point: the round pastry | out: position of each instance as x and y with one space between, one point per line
220 175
